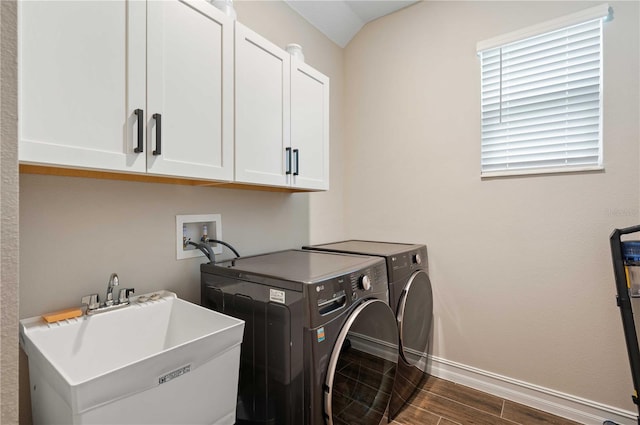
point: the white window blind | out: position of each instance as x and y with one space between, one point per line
542 102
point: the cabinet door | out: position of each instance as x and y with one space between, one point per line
81 77
189 90
309 127
262 110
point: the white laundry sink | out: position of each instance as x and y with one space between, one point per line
161 361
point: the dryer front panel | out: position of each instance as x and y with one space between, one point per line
415 311
362 366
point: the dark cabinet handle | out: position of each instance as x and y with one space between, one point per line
288 151
296 152
158 118
140 117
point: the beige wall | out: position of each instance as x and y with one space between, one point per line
9 215
75 232
521 267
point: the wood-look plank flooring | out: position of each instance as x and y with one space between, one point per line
440 402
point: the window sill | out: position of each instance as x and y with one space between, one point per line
539 172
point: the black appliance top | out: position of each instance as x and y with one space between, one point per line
299 265
367 247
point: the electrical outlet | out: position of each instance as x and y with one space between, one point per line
193 227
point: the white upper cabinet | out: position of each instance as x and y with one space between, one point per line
262 110
91 73
282 117
167 88
81 76
189 90
309 127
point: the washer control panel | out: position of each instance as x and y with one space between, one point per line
331 297
407 262
365 282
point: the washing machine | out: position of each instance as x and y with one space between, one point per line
320 341
410 297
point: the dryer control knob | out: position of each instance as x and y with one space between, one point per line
417 259
365 282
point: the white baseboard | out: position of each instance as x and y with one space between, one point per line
561 404
555 402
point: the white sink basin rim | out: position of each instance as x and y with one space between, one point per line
95 360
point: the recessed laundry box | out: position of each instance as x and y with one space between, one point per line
163 360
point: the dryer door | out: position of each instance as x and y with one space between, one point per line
415 311
362 366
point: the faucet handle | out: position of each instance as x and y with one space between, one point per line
124 295
91 301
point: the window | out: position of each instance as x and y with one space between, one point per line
542 97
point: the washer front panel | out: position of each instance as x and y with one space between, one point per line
414 317
362 366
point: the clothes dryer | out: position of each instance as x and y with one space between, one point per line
320 341
410 297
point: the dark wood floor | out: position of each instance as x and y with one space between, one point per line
441 402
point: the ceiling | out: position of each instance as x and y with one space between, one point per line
340 20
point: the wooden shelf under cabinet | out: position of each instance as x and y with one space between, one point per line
106 175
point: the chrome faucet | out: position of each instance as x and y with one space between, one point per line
113 282
93 303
